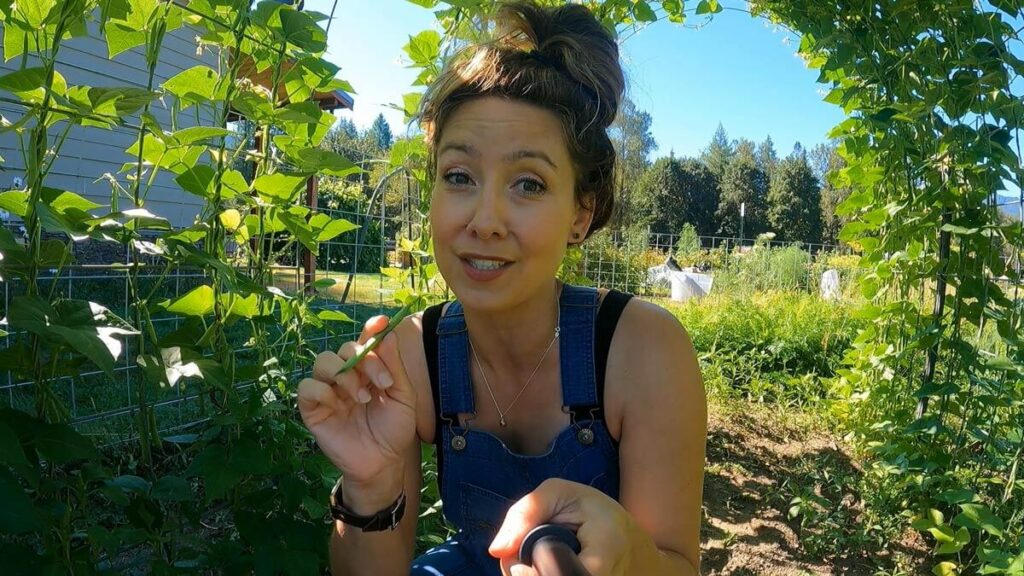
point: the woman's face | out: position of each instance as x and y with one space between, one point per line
504 206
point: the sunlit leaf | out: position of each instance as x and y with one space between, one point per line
280 188
333 316
198 84
196 302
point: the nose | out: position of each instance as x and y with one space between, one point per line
489 214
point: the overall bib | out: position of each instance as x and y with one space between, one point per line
479 477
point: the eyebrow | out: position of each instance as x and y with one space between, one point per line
469 150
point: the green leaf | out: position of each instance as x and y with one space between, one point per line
210 465
425 47
302 30
130 483
945 569
121 37
24 80
325 161
233 184
979 517
960 539
1000 363
708 7
198 84
643 13
61 201
411 103
15 202
60 444
36 12
942 534
956 496
17 515
294 220
182 362
87 327
324 283
196 180
248 457
197 302
328 228
120 101
231 219
171 489
280 188
245 306
196 134
334 316
13 455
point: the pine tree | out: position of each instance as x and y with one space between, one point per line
794 201
718 153
767 159
631 136
381 132
743 183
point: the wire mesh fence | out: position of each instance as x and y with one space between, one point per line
636 262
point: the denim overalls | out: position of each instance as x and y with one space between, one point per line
481 478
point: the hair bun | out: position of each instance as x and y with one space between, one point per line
570 39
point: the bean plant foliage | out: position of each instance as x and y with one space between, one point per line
932 383
246 490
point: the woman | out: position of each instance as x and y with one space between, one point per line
547 403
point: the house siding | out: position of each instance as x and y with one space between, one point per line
89 153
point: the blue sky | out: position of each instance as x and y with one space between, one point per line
737 70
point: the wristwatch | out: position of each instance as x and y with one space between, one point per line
386 519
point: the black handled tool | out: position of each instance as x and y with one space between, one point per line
552 550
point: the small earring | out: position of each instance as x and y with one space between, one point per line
576 235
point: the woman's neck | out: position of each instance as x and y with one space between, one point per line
513 341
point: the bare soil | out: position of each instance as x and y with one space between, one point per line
756 455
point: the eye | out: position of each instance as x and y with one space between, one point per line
530 187
457 178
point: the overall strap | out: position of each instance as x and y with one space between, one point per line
453 363
612 305
431 318
576 350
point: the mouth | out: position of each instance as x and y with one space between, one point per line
485 264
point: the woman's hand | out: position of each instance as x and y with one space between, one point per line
612 544
363 419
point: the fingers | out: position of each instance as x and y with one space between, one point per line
325 369
370 366
554 500
372 327
401 390
317 402
519 570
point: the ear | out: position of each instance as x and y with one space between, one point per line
581 221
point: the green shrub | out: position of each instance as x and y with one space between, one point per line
770 347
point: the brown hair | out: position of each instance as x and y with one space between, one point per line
561 59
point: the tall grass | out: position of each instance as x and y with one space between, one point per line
772 346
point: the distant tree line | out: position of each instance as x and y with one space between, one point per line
790 196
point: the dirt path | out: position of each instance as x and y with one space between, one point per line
758 458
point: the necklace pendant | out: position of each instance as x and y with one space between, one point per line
503 424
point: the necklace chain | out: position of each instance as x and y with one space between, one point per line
501 413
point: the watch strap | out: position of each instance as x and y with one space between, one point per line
385 519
